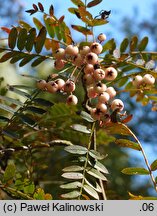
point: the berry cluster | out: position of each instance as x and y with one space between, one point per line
144 81
86 59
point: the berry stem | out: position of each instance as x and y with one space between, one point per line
144 156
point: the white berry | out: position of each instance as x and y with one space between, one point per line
96 48
101 37
117 104
91 58
148 79
41 84
111 91
71 50
72 100
103 97
110 73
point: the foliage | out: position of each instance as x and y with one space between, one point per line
38 127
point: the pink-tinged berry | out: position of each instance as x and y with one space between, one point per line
91 58
84 50
72 100
91 93
100 87
148 79
103 97
117 104
110 73
78 60
59 64
69 86
41 84
101 37
99 74
52 87
96 114
111 91
71 50
96 48
59 53
102 107
60 83
89 69
88 79
137 81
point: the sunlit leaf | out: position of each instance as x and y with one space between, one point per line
37 23
154 165
139 197
72 185
82 29
135 171
128 144
96 174
24 24
96 155
91 191
78 2
7 108
72 175
17 91
117 128
86 116
81 128
49 26
76 149
99 166
11 100
73 168
109 45
94 185
98 22
71 195
9 173
93 3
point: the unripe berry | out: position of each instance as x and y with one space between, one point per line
137 81
72 100
111 91
91 93
84 50
91 58
52 87
59 53
71 50
59 64
101 37
69 86
103 97
110 73
148 79
117 104
99 74
102 107
41 84
89 69
96 48
60 83
100 87
78 60
88 79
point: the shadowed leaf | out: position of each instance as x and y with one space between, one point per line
93 3
40 40
82 29
72 175
76 149
71 195
12 38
